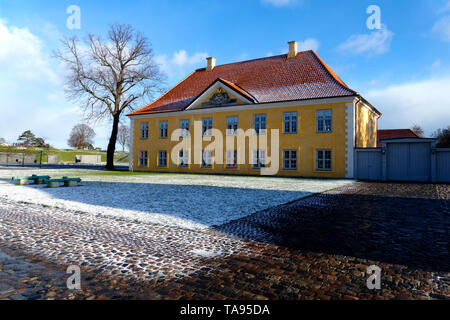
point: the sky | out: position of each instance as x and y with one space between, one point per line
399 62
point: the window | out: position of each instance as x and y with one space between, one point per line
207 159
290 160
324 160
184 126
260 124
184 158
290 122
207 127
259 159
144 130
162 158
143 158
164 130
231 159
324 120
232 126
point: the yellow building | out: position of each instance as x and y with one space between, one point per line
288 115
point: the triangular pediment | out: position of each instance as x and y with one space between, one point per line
221 93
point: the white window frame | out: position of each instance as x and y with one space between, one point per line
321 160
183 159
290 159
143 158
290 118
232 125
163 129
260 123
207 126
185 128
324 121
145 127
259 159
207 159
231 161
162 159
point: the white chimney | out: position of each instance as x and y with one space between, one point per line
293 49
211 64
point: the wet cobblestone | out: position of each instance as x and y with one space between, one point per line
317 248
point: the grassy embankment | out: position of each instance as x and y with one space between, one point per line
67 155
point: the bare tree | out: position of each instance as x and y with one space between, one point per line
417 130
110 76
123 136
81 137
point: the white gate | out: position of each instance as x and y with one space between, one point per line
368 165
404 160
409 162
442 165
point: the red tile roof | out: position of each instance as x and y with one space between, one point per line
238 89
272 79
394 134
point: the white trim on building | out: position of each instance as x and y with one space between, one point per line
130 157
257 106
350 140
217 85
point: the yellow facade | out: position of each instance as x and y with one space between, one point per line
366 134
306 141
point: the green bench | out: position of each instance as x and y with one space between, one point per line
25 180
68 182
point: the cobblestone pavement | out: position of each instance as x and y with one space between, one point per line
317 248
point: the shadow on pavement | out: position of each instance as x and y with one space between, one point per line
396 230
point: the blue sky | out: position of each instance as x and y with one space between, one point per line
403 68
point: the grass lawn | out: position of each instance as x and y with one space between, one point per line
68 155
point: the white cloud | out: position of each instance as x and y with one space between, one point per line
437 63
21 53
31 90
442 28
309 44
375 43
181 63
445 8
280 3
426 103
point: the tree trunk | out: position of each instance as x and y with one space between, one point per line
112 143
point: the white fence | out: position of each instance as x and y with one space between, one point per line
404 160
443 165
